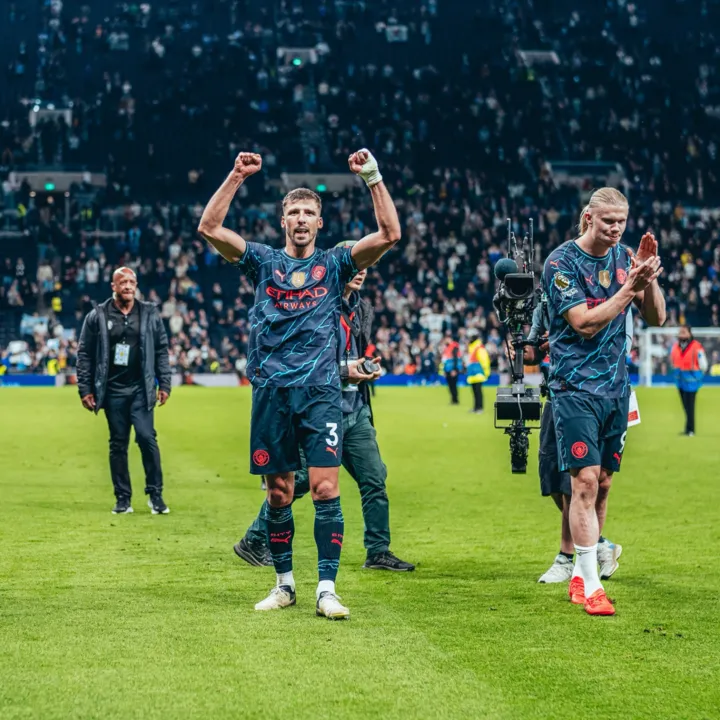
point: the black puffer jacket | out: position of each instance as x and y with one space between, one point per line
93 360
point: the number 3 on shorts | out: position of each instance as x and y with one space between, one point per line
332 441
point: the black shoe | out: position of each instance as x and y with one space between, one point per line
387 561
157 505
122 507
253 553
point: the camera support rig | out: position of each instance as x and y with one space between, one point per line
518 404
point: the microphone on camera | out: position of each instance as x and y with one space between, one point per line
503 267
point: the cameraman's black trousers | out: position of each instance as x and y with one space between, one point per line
688 401
477 396
124 410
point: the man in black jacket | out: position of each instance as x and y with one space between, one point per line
360 452
123 350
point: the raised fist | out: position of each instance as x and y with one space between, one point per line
247 164
357 160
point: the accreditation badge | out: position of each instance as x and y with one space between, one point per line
122 355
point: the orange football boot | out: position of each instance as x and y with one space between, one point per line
599 604
576 590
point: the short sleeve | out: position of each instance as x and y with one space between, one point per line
560 281
343 261
255 255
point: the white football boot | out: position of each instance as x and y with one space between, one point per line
329 606
560 571
281 596
608 554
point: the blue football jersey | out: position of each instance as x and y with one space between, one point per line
294 321
572 277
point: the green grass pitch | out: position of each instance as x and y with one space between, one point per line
152 617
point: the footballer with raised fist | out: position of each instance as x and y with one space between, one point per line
293 361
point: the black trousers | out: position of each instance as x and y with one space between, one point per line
688 401
477 395
125 410
452 386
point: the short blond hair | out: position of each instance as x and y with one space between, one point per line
600 198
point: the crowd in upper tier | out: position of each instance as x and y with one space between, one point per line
467 134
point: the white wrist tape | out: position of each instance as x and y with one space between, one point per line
370 172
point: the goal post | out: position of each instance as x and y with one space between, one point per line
654 345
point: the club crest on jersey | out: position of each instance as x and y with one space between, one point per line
297 279
621 276
604 278
318 273
562 282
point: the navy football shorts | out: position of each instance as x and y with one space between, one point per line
590 429
553 480
286 419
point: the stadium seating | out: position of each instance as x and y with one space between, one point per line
468 133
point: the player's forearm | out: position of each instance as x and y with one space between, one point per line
385 214
590 322
216 210
653 305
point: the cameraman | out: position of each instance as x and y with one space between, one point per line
554 482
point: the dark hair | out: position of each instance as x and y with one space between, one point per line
689 329
301 194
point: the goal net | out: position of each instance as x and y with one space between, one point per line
651 354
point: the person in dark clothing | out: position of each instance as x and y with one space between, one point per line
360 451
452 366
123 368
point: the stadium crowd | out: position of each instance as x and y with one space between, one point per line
477 135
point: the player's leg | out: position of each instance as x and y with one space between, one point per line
320 431
613 446
555 484
253 547
273 453
361 458
579 419
608 552
117 412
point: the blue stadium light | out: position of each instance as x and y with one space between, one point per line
297 62
321 188
49 186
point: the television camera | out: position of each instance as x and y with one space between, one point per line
518 408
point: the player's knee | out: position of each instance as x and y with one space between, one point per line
280 489
585 485
324 485
605 482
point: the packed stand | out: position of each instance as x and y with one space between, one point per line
453 189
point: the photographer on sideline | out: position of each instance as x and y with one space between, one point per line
123 349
